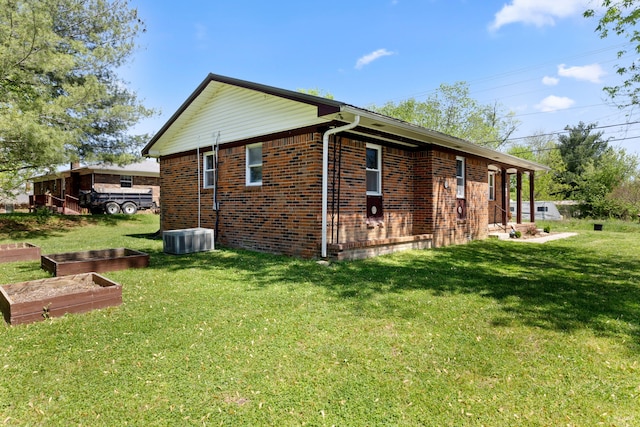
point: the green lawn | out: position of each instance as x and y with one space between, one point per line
494 333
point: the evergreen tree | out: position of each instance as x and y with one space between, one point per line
61 99
578 149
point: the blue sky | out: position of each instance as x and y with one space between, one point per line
538 58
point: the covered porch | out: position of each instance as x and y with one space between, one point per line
504 178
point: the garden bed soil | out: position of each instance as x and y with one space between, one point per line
93 261
22 251
27 302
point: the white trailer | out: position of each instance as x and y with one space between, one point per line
544 211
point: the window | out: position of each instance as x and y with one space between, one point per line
208 168
126 181
492 185
542 209
373 170
460 177
254 164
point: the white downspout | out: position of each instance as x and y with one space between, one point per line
325 176
198 163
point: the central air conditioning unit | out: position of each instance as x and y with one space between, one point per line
187 240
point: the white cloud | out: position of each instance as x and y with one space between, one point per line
550 81
591 73
537 12
554 103
370 57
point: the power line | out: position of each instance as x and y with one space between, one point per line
623 139
509 140
540 150
569 130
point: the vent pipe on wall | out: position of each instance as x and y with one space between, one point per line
325 176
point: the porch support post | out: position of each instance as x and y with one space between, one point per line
532 202
505 196
519 197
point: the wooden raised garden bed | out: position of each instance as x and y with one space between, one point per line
97 261
27 302
18 252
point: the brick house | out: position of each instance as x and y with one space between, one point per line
66 185
285 172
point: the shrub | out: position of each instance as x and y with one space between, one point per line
547 229
42 215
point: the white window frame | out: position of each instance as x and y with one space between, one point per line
460 179
492 186
249 166
126 179
205 182
378 170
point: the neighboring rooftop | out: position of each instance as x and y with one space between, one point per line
147 167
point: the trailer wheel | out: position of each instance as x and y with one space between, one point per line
129 208
112 208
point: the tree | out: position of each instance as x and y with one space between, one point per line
543 149
599 182
626 197
317 92
578 149
60 97
452 111
621 17
593 171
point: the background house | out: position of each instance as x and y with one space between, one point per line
286 172
67 185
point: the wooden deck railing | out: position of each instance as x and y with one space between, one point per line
64 206
72 203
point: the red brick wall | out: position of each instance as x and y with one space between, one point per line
444 223
477 196
423 198
415 199
146 181
283 215
446 227
397 195
179 192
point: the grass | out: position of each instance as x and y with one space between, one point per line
490 333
